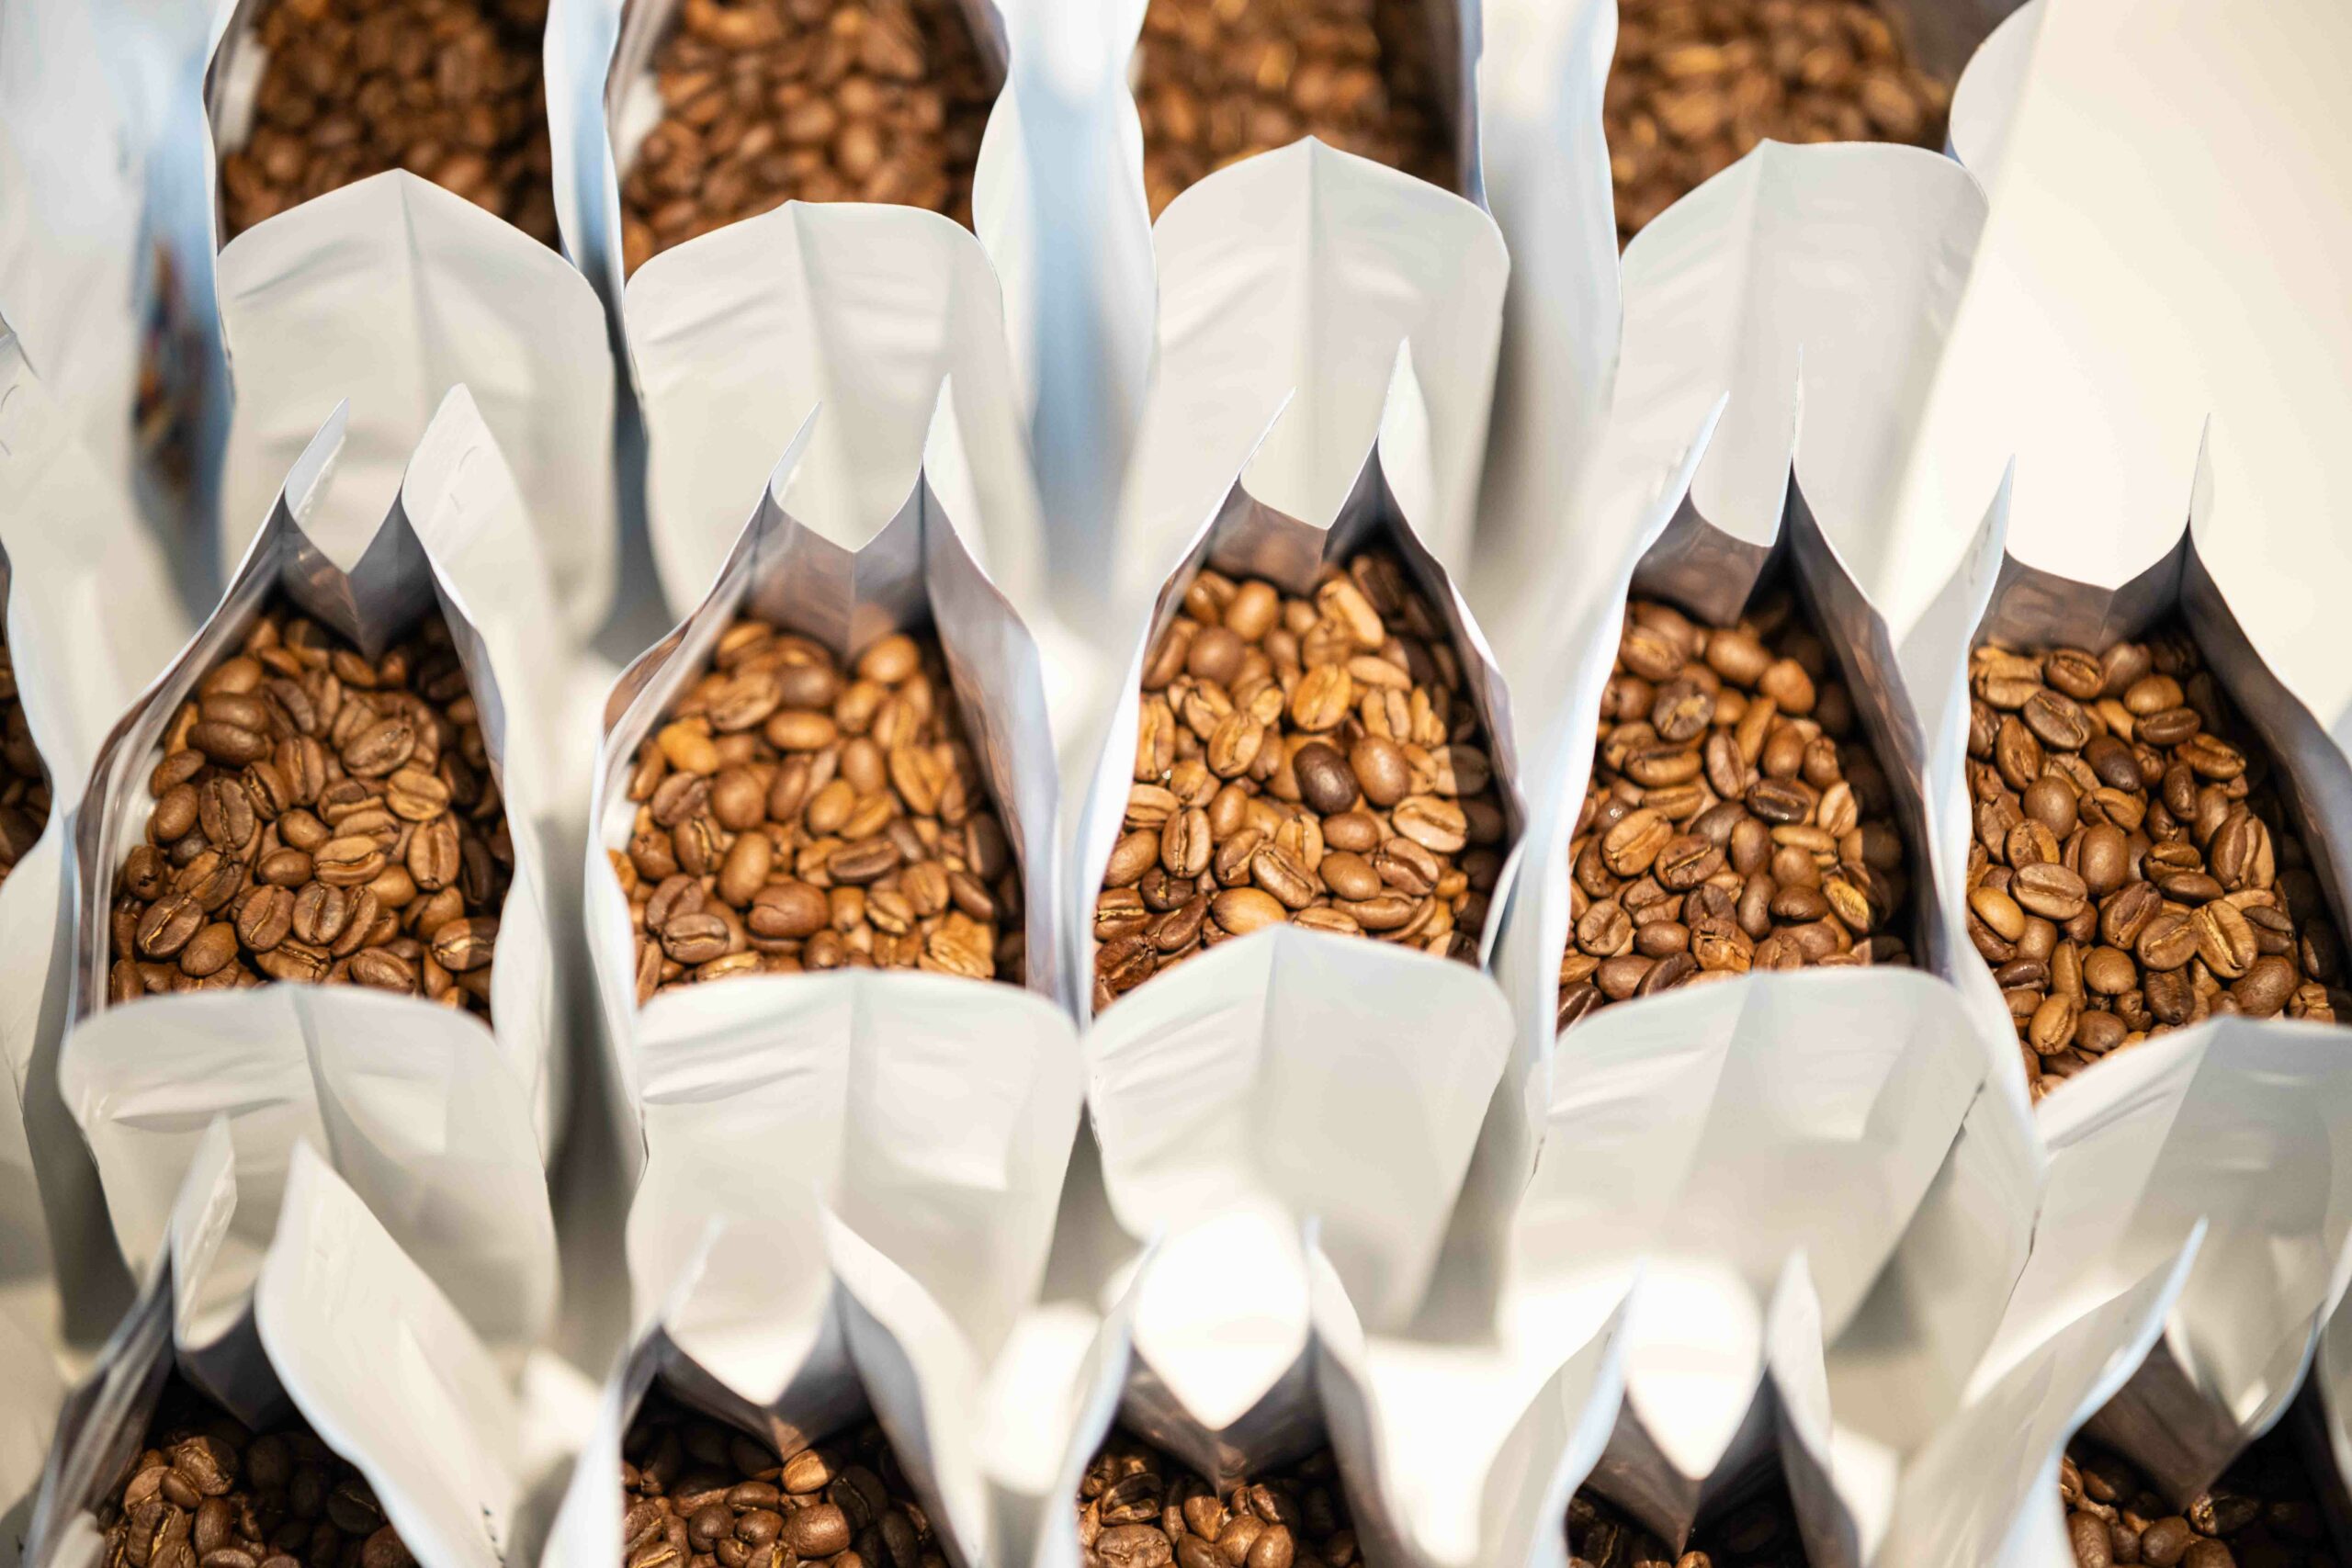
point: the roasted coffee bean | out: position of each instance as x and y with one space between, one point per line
205 1491
1219 80
2263 1510
1768 845
797 815
344 818
449 89
2152 851
695 1493
1137 1507
1315 759
768 101
1695 86
1759 1533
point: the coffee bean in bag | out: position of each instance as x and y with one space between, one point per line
1735 818
2132 868
795 814
452 90
698 1493
1219 80
319 817
2262 1514
762 102
1139 1509
1696 84
1314 760
205 1489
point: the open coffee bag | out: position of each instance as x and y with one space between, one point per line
437 893
277 1389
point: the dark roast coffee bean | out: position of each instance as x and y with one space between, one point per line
306 866
1218 80
1751 829
2150 854
796 815
769 101
1328 770
204 1492
450 91
1138 1506
695 1493
2263 1510
1695 86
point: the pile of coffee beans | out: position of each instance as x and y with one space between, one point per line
448 89
1139 1509
1315 759
204 1492
2130 870
698 1495
320 817
794 815
1219 80
1735 818
768 101
1760 1534
1698 83
24 783
2262 1514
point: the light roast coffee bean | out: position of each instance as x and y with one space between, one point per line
24 782
2130 870
1139 1509
1735 819
206 1492
1696 84
768 101
2261 1513
319 817
698 1495
1219 80
796 816
1758 1534
449 89
1315 759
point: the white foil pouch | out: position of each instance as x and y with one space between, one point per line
340 1329
1335 1394
914 573
1984 1488
1718 1135
2027 609
91 617
1856 1407
383 295
1734 325
1779 324
2233 1125
942 1145
442 1121
885 1349
873 314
